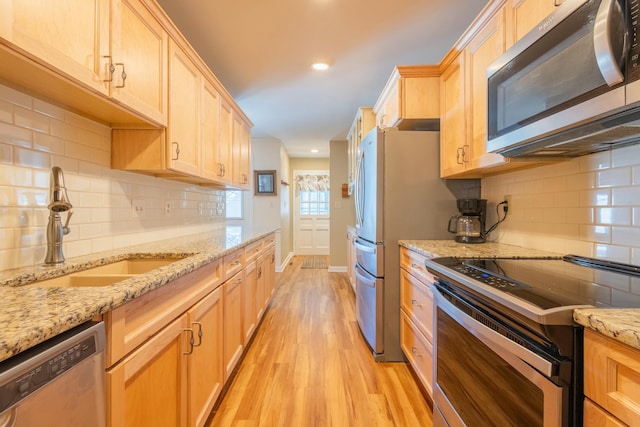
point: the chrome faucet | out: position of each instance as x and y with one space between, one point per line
59 202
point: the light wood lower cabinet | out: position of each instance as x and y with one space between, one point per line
170 351
611 381
233 324
416 315
206 368
149 387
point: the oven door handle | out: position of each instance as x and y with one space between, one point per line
501 345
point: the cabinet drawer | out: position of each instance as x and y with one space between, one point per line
251 251
130 325
418 350
233 263
594 416
269 240
416 300
612 376
413 262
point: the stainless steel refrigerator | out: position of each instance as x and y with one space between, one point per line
399 195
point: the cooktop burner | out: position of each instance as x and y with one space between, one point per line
543 286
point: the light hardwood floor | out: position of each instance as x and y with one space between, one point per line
309 366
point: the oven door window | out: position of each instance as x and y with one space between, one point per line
482 386
558 71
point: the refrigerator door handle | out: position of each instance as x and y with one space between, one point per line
364 279
359 189
363 248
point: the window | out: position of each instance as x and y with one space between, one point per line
314 202
233 204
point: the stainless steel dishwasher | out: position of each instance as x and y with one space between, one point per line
60 382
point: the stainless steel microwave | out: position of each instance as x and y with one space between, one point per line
569 87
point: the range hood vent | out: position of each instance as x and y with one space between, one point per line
610 132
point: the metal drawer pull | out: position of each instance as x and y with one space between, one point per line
415 302
191 341
177 144
418 266
111 69
415 351
199 333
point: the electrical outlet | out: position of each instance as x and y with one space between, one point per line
201 208
137 208
508 204
167 208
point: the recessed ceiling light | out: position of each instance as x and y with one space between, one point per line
315 150
320 66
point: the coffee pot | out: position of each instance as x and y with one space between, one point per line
469 227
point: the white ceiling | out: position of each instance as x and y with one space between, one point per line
262 51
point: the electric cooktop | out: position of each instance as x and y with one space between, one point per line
540 287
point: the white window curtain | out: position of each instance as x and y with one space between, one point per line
308 182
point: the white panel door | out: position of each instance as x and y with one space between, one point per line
311 213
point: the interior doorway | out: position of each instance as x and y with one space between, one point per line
311 212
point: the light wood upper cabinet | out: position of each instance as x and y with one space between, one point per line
225 151
210 132
241 153
455 152
487 45
524 15
183 132
45 30
410 99
139 53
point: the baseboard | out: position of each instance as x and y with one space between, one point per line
281 267
338 269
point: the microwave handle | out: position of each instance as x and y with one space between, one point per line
602 44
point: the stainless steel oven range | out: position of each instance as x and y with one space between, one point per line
506 349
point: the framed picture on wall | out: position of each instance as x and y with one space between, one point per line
265 183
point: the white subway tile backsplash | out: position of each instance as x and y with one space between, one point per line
588 206
615 177
30 120
45 135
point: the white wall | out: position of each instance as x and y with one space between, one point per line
342 208
34 136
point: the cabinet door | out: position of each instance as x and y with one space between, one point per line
206 367
226 142
210 138
418 350
249 289
486 46
183 132
149 387
233 332
139 52
70 36
454 150
241 153
524 15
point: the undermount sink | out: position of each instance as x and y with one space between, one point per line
105 275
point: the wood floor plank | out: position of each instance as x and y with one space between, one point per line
308 365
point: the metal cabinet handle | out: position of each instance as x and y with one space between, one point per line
191 341
199 333
415 352
177 144
460 155
414 265
259 271
110 70
557 2
415 302
123 75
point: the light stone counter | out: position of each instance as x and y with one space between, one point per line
451 248
31 315
620 324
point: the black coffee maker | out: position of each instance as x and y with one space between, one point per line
469 226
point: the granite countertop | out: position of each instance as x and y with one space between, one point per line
620 324
31 315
